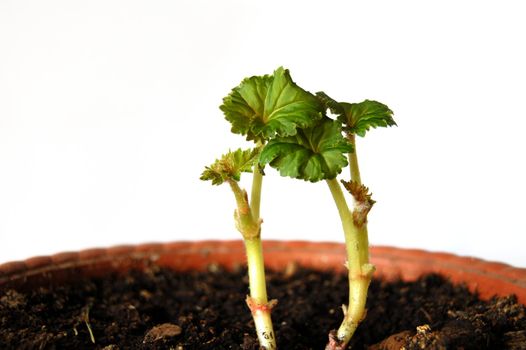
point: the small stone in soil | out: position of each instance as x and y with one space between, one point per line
161 332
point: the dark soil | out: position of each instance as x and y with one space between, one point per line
162 309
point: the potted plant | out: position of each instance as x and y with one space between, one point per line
293 132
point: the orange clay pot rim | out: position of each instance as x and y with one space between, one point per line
41 264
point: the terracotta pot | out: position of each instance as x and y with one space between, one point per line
488 278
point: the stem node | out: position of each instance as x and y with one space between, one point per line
256 307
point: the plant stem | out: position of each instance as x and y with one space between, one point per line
356 177
353 161
245 222
255 195
257 182
360 270
258 301
250 227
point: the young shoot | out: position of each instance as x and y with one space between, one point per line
320 152
228 170
260 108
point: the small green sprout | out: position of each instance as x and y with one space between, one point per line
293 133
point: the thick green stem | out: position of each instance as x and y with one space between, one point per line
250 227
256 270
258 301
360 270
356 177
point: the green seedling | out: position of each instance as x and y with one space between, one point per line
293 133
260 108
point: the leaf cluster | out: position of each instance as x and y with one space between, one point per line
230 166
298 137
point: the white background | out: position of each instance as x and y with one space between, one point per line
109 111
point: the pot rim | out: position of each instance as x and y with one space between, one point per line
395 262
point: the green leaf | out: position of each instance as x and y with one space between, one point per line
334 106
313 154
263 107
358 118
230 166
